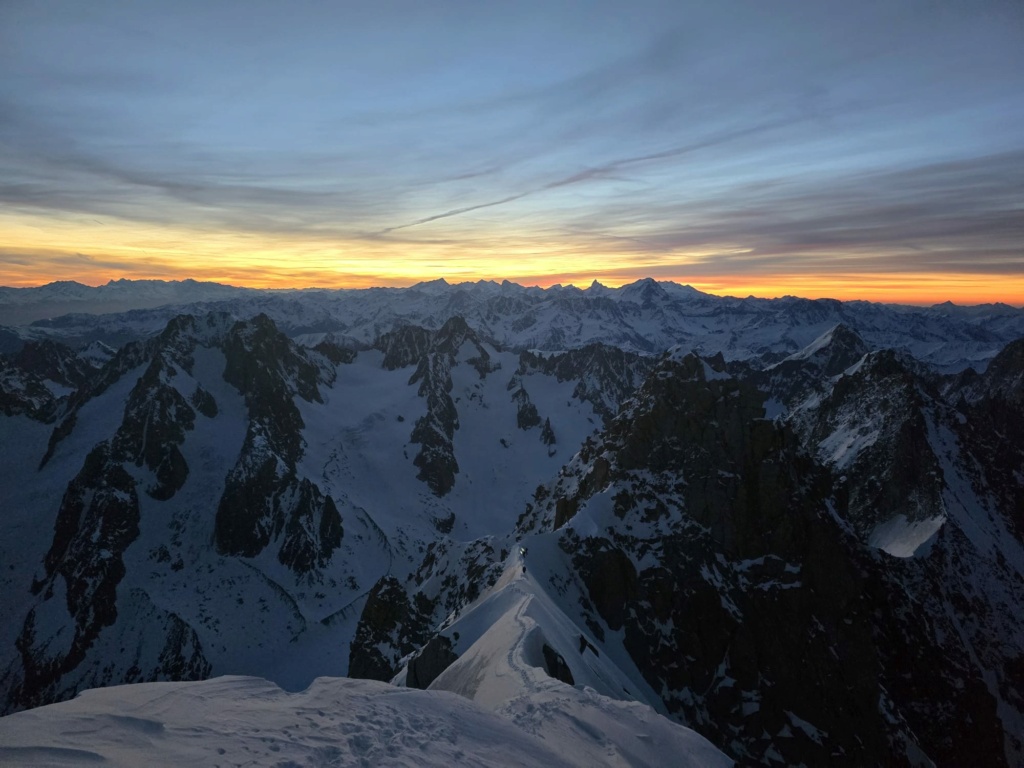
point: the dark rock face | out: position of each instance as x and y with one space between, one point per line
25 394
301 550
547 434
433 353
527 416
988 426
611 582
101 498
1004 377
810 371
98 519
404 347
555 665
435 430
156 419
992 410
871 429
263 365
181 657
158 414
81 614
605 376
437 655
204 403
55 362
263 497
336 354
29 377
127 358
247 519
147 644
762 618
399 618
390 619
911 452
434 433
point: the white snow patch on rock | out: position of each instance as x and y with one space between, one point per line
901 537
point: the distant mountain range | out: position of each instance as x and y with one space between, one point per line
794 527
646 316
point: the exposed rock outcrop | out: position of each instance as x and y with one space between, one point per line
435 657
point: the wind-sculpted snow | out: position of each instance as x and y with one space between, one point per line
336 722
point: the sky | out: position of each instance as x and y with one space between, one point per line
870 150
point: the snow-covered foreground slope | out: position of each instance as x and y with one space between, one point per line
230 721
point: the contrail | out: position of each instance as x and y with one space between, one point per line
599 171
457 211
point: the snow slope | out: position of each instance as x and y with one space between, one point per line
501 637
230 721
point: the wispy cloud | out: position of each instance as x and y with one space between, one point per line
604 171
692 137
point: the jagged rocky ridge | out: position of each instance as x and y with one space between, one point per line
738 572
818 560
99 514
264 500
37 379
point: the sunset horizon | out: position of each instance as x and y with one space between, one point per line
856 152
905 290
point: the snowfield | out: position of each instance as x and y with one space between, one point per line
235 721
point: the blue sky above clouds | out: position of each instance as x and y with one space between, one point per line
806 137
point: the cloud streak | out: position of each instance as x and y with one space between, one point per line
603 171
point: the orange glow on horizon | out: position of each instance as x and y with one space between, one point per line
36 250
891 288
909 288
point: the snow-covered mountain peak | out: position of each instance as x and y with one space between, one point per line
834 351
1005 374
338 721
432 286
647 292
